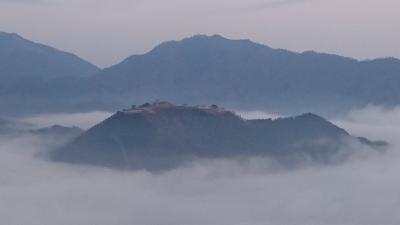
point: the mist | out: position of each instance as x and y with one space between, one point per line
362 191
82 120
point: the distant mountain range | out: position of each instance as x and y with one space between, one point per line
57 132
245 75
239 74
161 136
53 136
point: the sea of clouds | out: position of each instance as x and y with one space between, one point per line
364 191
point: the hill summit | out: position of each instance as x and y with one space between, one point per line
162 135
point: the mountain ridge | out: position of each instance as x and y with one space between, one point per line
239 74
244 74
49 58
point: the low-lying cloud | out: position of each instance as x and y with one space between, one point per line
361 192
250 115
373 122
82 120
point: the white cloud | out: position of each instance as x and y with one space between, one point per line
362 192
257 115
373 122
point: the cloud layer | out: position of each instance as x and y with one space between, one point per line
362 192
82 120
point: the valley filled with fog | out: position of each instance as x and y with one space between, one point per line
362 191
243 112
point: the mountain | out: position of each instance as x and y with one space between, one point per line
50 137
15 127
242 74
21 58
58 131
238 74
53 136
161 135
37 78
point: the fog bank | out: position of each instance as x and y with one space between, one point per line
364 191
82 120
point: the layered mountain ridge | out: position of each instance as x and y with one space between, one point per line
238 74
245 75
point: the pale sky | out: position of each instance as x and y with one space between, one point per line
107 31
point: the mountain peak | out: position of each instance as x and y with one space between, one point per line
11 35
5 36
161 135
160 107
310 116
218 38
206 37
214 41
22 58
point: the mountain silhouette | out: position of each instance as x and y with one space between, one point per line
21 58
238 74
245 75
162 135
35 77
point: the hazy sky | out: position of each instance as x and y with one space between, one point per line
106 31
